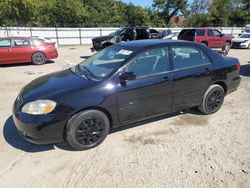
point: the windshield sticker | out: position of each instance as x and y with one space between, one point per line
125 52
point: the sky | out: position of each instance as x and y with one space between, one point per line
143 3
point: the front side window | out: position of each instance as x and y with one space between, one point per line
149 62
107 60
21 42
217 33
184 57
5 43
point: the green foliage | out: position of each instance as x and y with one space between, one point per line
219 13
170 8
115 13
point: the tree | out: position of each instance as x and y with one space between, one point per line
169 8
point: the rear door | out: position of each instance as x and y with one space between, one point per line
191 76
151 92
21 50
211 38
5 51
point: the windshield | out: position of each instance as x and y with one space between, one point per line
104 62
117 32
245 36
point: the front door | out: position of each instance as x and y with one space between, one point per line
191 76
150 93
219 41
21 50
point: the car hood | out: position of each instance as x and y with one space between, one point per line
240 39
102 38
54 84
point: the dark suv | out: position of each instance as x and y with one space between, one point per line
123 34
209 37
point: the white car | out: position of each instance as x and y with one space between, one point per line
47 40
243 41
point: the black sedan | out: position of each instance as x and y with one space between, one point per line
122 84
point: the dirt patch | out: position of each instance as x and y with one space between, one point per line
188 119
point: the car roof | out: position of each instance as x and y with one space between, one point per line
151 43
16 37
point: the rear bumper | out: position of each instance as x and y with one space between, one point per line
52 55
234 84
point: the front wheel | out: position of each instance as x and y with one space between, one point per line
226 47
212 100
87 129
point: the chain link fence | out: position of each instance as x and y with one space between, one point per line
80 36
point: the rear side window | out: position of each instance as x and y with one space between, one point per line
184 57
5 43
21 42
149 62
200 32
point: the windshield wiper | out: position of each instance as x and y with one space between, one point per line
88 73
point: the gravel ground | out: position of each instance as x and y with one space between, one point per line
180 150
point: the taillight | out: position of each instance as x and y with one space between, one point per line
238 66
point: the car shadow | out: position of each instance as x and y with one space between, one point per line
13 138
23 64
245 70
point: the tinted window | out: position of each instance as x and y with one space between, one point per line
149 62
187 57
200 32
21 42
210 32
185 32
5 43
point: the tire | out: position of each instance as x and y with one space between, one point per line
212 100
38 58
226 47
204 44
87 129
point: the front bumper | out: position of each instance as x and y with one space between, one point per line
40 129
239 45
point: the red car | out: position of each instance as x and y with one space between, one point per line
26 49
209 37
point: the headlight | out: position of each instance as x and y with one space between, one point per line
245 41
39 107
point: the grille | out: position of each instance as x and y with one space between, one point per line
236 44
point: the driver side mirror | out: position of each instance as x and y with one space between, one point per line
127 76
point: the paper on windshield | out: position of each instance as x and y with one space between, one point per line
125 52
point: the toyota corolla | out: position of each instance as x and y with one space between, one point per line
120 85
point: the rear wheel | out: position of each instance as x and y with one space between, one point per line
38 58
212 100
87 129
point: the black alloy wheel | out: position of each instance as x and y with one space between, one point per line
87 129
